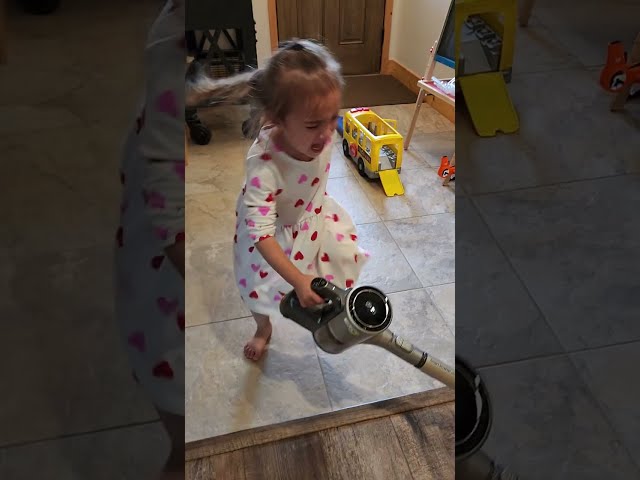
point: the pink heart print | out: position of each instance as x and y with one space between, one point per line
287 252
328 167
255 181
255 267
167 103
303 178
243 282
328 278
136 339
305 226
309 207
339 237
264 210
251 223
167 306
277 297
178 167
162 233
154 199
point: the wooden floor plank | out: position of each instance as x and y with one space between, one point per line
257 436
427 440
300 458
367 450
226 466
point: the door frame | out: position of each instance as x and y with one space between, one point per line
384 59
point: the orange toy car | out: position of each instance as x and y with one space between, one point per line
447 170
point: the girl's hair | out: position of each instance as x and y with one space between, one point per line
299 69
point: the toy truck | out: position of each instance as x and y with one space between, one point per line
375 146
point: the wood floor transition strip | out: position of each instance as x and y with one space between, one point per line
270 433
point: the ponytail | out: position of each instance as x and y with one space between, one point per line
200 87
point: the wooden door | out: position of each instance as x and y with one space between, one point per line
352 30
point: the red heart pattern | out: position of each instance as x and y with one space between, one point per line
163 369
156 262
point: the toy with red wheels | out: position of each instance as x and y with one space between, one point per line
621 74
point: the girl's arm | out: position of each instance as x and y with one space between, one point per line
273 254
270 249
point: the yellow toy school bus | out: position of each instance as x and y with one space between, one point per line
375 146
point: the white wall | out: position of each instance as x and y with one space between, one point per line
261 17
415 25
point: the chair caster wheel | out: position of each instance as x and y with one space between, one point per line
200 134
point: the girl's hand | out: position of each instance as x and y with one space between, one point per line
308 298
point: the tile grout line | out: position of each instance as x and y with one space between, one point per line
547 356
516 273
77 434
324 379
583 378
557 184
604 411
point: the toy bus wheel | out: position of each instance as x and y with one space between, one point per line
445 172
345 148
361 170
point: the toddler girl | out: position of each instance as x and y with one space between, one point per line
288 230
150 244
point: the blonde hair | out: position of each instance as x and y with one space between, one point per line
298 70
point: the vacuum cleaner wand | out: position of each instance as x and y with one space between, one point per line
356 316
402 348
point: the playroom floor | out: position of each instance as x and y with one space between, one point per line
550 306
411 239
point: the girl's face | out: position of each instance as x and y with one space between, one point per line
305 132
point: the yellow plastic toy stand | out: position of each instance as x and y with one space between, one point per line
485 93
489 104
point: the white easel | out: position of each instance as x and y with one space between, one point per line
428 86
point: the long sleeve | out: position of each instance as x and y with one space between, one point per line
162 129
259 198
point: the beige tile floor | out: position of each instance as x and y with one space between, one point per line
411 239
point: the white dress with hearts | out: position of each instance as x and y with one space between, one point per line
149 290
286 198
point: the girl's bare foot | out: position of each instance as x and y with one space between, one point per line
255 347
